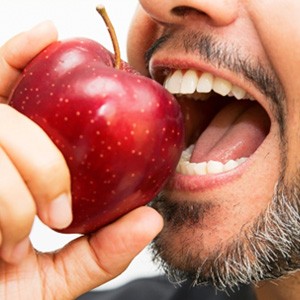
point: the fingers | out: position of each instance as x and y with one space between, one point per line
40 164
107 253
33 173
18 51
17 211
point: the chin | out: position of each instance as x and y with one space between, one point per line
199 244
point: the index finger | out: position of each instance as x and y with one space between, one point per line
16 53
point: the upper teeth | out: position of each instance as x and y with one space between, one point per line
191 82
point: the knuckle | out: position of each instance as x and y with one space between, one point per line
51 172
16 220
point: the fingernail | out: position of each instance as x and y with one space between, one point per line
60 212
42 25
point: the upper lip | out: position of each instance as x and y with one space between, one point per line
160 68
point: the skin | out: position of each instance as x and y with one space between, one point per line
33 183
248 25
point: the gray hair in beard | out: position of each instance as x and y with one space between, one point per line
267 250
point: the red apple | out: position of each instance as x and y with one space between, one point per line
120 133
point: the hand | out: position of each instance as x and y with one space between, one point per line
34 180
34 177
83 264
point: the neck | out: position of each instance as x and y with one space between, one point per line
287 288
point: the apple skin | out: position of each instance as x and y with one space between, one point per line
121 133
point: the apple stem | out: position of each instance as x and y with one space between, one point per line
102 11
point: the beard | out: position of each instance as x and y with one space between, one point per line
267 249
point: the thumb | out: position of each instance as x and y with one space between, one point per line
93 260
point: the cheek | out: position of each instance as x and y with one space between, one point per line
281 41
293 138
142 34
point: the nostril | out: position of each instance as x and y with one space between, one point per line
219 12
183 11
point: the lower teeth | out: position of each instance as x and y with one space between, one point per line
185 167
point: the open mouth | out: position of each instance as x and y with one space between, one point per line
224 124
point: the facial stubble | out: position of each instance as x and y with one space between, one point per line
269 247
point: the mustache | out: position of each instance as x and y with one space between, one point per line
222 54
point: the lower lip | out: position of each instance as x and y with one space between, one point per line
201 183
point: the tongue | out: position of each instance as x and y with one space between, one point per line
236 131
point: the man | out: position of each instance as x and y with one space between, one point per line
231 214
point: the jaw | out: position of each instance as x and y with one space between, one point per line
228 201
206 216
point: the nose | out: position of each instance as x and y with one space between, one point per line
218 12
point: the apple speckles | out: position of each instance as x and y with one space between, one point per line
107 182
118 131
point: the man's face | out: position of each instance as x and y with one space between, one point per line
231 210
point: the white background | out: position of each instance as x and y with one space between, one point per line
73 18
